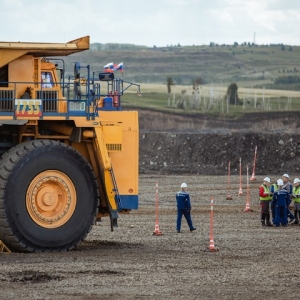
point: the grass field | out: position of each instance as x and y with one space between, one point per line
211 98
218 66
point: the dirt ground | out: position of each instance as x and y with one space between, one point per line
253 262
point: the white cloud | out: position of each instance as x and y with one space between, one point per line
223 15
156 22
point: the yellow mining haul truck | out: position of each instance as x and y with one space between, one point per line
69 154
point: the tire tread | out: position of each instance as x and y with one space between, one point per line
8 162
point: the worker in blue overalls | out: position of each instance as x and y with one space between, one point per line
289 188
184 208
273 189
280 202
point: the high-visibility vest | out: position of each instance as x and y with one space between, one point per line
275 187
267 191
296 191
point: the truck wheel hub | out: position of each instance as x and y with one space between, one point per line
51 199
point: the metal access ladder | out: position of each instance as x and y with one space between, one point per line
3 248
117 195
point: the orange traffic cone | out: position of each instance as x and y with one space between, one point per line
211 234
212 246
253 177
248 209
253 172
240 190
229 185
157 230
229 197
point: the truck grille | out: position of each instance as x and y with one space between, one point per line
6 100
114 147
49 100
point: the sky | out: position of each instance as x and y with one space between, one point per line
152 22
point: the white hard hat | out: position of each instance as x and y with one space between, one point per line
280 182
183 185
296 180
286 175
267 179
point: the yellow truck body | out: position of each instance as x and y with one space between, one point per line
69 153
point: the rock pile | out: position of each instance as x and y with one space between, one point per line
209 153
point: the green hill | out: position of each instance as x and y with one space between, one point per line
247 65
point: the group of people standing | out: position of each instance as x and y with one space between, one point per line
278 197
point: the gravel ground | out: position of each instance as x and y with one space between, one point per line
130 263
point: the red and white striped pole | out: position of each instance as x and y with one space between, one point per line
229 185
212 247
240 190
156 230
253 172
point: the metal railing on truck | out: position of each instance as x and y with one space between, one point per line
84 99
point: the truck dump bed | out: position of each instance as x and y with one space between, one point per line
10 51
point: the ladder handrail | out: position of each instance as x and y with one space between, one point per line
117 195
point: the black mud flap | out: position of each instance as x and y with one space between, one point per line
76 135
113 219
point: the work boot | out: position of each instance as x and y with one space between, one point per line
295 222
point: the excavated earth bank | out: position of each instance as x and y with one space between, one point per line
179 144
209 153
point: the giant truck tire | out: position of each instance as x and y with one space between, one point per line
48 197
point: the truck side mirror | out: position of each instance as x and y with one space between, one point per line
107 76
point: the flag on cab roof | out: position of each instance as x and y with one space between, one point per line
109 67
119 67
